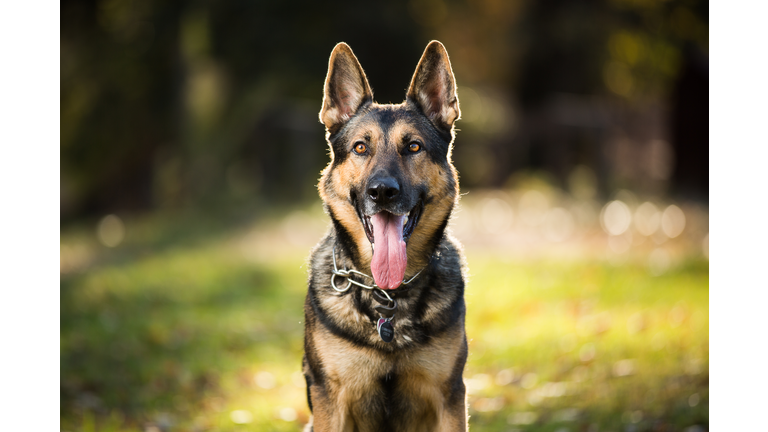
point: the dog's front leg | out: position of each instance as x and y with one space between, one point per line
453 419
328 415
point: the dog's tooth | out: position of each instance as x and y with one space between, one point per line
405 220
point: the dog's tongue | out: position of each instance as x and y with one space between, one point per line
389 256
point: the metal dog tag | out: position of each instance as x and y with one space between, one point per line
386 331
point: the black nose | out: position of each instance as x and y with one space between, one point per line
383 190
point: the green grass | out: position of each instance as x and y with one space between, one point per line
195 335
599 344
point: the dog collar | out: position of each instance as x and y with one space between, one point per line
347 273
386 306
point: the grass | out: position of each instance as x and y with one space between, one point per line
205 333
598 345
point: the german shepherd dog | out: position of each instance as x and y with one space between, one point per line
385 345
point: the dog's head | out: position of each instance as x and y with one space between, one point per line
390 187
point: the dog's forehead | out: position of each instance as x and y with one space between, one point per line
392 121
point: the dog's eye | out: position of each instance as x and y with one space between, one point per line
360 147
414 147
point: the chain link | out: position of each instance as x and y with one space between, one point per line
346 274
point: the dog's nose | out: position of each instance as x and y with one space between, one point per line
383 190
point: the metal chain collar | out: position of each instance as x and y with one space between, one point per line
346 274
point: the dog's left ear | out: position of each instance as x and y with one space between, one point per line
346 88
433 87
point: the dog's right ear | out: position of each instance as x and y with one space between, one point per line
346 88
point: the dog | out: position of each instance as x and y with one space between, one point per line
384 343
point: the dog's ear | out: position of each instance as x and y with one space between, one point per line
433 87
346 88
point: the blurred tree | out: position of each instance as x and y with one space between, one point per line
690 112
201 103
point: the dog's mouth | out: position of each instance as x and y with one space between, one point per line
389 234
408 222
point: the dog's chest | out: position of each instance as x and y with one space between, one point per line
409 382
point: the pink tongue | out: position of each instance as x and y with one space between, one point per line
389 256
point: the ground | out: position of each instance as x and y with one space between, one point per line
194 323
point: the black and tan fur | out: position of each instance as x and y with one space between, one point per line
355 381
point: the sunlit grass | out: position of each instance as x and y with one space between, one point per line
597 344
180 336
205 335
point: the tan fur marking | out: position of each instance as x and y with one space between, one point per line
400 129
338 200
433 215
430 381
353 372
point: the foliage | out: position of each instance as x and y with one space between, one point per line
192 104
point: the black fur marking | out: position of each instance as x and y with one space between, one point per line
347 243
458 390
313 363
446 135
388 384
359 302
449 316
309 382
448 319
332 325
438 236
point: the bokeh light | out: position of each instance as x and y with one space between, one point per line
505 377
265 380
529 380
287 414
624 367
647 218
615 218
241 416
297 379
673 221
477 383
110 231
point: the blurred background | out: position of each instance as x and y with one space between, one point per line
190 153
